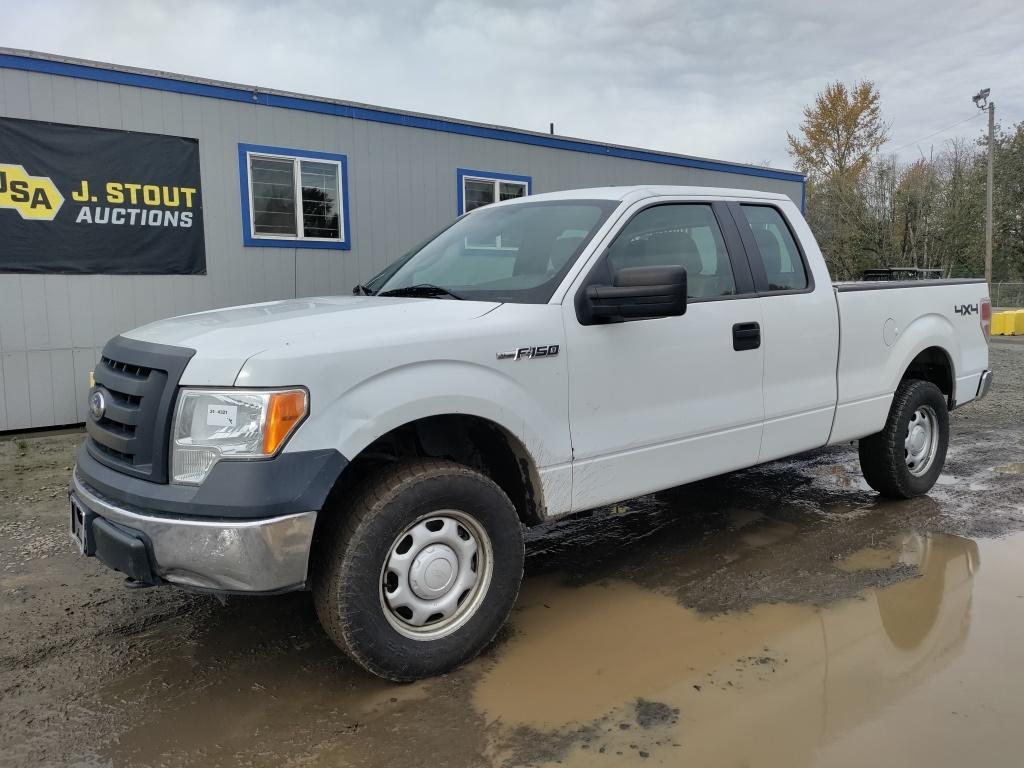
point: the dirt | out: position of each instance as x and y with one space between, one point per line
780 616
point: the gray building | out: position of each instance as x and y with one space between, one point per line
295 196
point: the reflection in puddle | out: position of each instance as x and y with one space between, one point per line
765 686
1014 468
908 550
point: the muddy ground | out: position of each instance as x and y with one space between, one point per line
781 616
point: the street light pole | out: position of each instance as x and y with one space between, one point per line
988 201
981 102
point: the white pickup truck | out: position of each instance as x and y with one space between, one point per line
536 357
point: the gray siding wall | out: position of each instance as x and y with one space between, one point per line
402 186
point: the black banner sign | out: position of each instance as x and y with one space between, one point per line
92 200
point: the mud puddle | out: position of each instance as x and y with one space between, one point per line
625 657
919 672
604 671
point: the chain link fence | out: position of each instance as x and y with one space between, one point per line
1008 295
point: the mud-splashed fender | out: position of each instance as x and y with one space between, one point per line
535 417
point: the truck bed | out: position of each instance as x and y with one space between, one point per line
887 323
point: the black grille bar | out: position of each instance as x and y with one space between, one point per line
106 435
121 413
138 381
120 382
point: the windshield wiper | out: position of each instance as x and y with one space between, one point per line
422 289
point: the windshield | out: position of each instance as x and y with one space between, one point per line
514 253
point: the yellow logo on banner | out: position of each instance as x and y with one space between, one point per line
33 197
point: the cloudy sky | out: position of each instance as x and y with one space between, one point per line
713 78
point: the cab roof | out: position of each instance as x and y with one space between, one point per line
641 191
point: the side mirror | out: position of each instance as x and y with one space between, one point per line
638 293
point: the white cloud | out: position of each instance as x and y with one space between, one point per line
723 80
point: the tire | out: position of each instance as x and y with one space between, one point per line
893 461
403 534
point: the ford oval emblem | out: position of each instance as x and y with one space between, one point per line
97 404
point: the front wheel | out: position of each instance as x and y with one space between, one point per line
418 573
905 459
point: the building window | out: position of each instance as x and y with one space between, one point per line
479 188
293 198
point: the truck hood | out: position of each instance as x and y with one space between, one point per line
225 338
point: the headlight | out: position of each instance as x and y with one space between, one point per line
210 425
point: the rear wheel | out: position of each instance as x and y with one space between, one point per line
905 459
418 573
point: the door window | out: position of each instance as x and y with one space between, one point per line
685 235
783 267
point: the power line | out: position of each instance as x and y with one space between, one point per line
936 133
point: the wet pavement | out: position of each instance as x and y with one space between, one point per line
781 616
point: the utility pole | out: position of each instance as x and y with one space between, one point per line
981 102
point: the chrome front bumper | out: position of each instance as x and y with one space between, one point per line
265 555
985 385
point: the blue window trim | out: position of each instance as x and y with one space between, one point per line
461 173
445 125
290 242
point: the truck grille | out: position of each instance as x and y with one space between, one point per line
138 382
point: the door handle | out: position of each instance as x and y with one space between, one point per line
746 336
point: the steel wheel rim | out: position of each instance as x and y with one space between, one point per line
436 574
922 440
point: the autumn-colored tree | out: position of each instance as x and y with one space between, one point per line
842 131
868 210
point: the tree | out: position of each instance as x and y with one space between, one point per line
1008 256
869 210
841 134
842 131
961 213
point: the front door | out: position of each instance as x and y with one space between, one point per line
660 402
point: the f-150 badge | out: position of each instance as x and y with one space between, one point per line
528 353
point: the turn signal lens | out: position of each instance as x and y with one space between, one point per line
284 413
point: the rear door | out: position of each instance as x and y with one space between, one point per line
658 402
800 328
